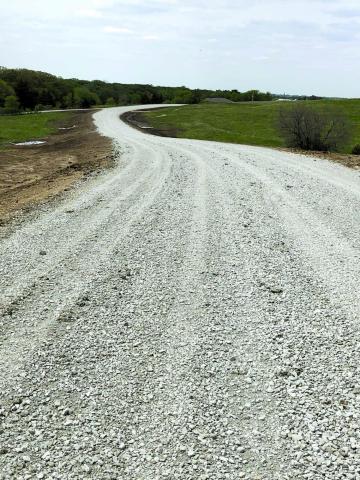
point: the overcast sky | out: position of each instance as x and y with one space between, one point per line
292 46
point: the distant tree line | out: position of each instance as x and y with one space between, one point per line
29 90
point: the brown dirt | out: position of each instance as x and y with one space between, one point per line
29 175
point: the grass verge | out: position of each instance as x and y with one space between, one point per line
246 123
20 128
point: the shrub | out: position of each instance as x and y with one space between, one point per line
356 149
305 127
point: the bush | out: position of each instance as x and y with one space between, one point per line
356 149
305 127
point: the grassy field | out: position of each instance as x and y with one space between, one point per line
19 128
248 123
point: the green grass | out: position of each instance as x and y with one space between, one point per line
247 123
20 128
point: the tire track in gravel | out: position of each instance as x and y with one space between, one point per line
167 413
92 219
289 163
338 304
330 254
184 399
70 282
135 353
330 251
244 438
283 172
341 328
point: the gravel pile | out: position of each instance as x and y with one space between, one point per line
191 314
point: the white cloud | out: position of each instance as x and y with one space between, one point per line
151 37
91 13
261 58
104 3
121 30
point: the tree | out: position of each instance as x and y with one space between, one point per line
135 99
123 100
195 96
40 88
84 98
182 95
11 104
308 128
68 100
5 91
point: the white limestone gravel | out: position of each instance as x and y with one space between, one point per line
191 314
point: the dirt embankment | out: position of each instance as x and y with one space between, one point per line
138 120
30 174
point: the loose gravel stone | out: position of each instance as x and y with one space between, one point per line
193 321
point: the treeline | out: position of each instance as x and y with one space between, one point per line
29 90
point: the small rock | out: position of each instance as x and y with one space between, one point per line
275 289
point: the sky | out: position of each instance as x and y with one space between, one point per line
282 46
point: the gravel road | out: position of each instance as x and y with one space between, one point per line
192 313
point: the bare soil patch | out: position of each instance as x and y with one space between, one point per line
30 174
